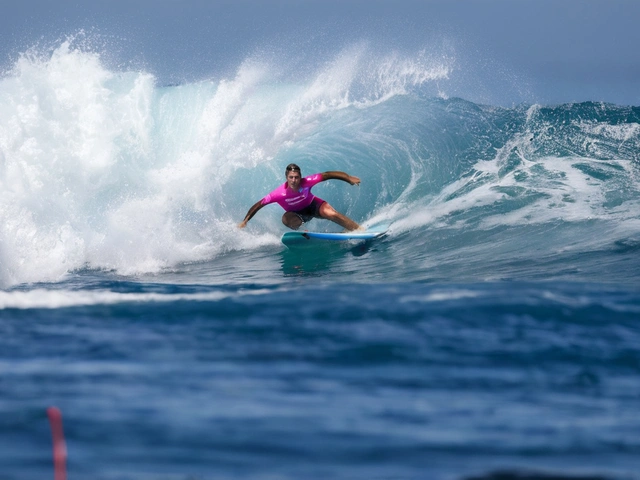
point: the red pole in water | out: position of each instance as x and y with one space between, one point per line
59 445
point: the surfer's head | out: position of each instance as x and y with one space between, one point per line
293 175
292 167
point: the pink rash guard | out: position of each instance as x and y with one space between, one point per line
291 200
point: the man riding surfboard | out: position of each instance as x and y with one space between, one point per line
300 204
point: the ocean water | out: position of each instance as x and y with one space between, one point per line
493 333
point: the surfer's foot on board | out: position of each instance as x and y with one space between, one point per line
359 229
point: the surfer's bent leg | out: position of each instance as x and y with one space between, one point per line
292 220
330 213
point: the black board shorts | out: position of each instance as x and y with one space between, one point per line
310 211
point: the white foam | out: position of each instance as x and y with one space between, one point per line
52 299
560 189
441 296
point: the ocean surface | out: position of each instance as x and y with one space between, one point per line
493 333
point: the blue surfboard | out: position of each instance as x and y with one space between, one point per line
299 238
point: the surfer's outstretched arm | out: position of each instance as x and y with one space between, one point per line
336 175
252 211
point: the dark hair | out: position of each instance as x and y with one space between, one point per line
292 167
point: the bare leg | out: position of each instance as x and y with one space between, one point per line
328 212
292 220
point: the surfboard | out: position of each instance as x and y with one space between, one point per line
306 238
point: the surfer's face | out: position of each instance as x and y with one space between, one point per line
293 180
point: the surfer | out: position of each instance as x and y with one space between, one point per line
300 204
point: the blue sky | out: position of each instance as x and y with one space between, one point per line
553 50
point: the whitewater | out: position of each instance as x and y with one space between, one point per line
492 333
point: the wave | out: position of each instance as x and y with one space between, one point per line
108 170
